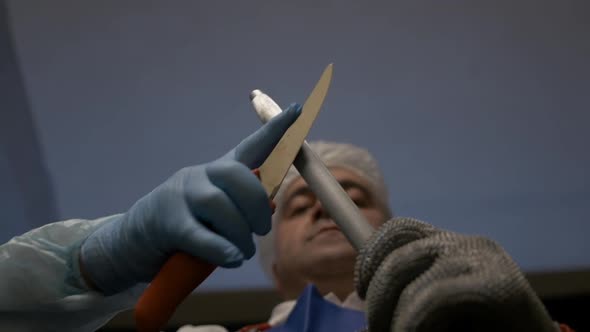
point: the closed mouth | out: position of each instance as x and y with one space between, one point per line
324 230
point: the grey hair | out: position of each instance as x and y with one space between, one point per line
342 155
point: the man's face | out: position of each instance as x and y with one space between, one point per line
308 244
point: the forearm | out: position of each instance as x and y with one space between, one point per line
40 273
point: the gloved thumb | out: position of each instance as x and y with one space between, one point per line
254 149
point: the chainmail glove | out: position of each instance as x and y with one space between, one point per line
415 277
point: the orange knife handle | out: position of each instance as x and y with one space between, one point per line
178 277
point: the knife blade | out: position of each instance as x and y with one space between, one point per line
275 167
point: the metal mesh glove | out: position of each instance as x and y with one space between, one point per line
415 277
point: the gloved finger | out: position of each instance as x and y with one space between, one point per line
394 234
473 286
452 296
211 206
254 149
227 222
245 191
400 268
201 242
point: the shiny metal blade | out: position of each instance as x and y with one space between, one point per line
275 167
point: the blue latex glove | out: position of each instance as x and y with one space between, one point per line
209 211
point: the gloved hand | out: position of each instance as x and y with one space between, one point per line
209 211
416 277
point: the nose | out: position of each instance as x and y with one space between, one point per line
319 212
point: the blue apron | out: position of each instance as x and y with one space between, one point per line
313 313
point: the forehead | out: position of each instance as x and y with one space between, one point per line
340 174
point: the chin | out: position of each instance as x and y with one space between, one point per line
330 246
340 251
332 264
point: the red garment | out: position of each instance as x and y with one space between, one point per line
260 327
565 328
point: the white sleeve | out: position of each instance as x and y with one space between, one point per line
40 284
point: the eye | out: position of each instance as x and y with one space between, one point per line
299 210
299 205
360 202
358 197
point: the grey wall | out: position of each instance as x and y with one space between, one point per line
26 194
478 111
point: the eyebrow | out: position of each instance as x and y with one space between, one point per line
346 184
